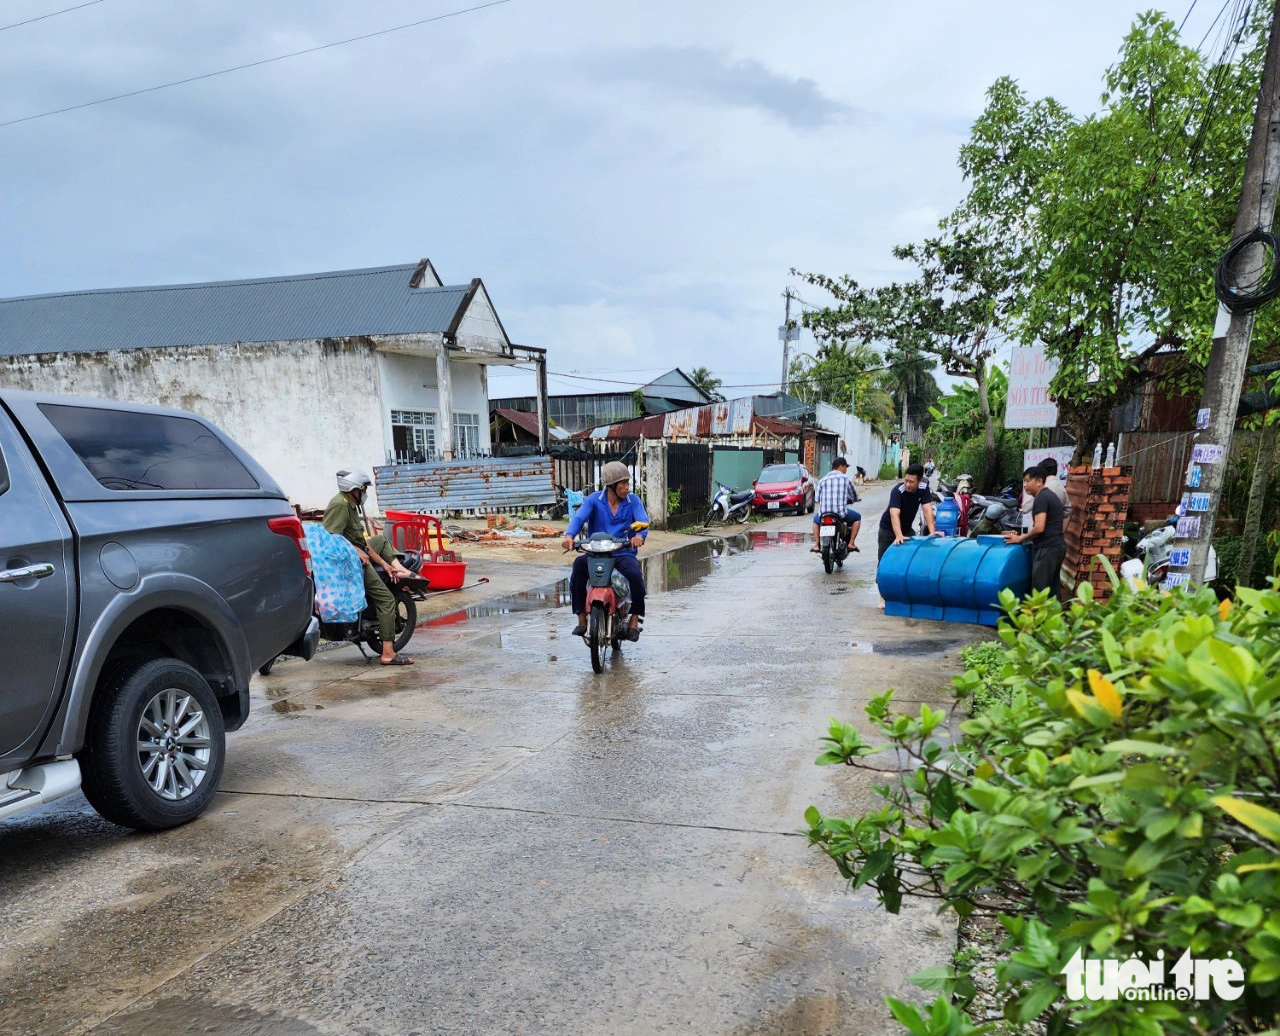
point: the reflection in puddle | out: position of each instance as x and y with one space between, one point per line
927 646
676 570
284 706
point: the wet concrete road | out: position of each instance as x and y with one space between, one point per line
499 841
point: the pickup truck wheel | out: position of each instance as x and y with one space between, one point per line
155 746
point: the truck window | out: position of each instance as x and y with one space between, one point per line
4 474
126 450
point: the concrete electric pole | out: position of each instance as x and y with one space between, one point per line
1229 358
786 340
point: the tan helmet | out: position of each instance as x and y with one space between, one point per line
614 472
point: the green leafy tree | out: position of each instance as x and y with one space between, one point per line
706 381
841 371
1118 233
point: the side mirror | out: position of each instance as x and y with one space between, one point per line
753 482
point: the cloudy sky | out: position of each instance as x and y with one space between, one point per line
632 180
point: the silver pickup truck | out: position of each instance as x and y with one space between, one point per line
148 566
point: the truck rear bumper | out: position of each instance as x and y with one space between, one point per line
305 646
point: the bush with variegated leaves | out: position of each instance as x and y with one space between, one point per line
1125 800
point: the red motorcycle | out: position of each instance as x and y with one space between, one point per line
608 594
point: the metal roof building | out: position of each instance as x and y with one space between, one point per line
342 304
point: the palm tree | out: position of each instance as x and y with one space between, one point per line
706 381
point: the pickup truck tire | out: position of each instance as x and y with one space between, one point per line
155 745
406 620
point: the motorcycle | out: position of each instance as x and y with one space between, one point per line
1155 551
995 517
364 631
608 594
730 505
833 539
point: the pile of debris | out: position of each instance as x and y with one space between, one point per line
500 528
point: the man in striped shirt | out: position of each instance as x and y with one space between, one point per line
835 494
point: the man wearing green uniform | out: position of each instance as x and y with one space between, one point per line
343 517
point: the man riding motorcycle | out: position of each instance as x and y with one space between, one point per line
612 510
345 517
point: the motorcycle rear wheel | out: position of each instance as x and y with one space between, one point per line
597 626
406 620
742 516
827 561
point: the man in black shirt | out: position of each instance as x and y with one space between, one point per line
1045 533
905 501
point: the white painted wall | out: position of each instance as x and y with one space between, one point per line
858 443
479 330
409 383
302 409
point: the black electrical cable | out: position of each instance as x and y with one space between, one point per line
1230 294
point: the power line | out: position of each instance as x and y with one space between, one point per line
254 64
51 14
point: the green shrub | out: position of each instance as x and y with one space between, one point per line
888 470
987 660
1124 800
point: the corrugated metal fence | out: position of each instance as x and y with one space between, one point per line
484 486
1159 461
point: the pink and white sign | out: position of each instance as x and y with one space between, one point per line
1062 454
1030 372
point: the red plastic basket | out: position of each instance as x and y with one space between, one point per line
445 575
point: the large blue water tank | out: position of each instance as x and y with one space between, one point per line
947 517
955 580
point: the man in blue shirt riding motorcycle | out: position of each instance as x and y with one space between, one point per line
613 510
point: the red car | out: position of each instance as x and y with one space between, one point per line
784 487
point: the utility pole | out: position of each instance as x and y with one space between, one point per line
1229 358
786 340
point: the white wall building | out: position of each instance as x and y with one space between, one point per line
859 444
312 373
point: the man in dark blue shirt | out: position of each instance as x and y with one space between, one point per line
906 500
613 510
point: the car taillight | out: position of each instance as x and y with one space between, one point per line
292 528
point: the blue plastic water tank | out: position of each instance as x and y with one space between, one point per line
947 517
954 580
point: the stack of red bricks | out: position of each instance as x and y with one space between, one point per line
1099 506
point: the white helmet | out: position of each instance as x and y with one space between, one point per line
349 480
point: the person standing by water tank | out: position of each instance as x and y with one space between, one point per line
1045 533
906 500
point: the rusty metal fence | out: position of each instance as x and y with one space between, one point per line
1159 461
577 465
490 486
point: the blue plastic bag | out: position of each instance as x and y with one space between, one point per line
339 575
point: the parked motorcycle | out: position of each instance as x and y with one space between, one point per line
1155 551
608 594
364 631
994 517
833 539
730 505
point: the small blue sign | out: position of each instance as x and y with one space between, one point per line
1199 501
1175 579
1180 558
1194 476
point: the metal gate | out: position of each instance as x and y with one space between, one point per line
577 465
689 474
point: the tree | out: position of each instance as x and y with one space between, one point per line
706 381
1119 231
839 372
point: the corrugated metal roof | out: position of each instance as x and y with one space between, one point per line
375 301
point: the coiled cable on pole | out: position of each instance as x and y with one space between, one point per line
1232 295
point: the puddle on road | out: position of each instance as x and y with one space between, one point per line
196 1016
925 646
675 570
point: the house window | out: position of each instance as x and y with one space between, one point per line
413 435
466 434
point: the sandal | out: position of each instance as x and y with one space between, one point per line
579 630
399 660
815 550
632 634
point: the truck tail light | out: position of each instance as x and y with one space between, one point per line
292 528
